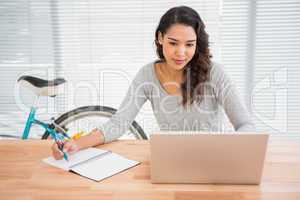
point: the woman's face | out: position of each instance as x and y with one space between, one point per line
179 45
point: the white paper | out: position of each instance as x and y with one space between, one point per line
104 166
74 159
93 163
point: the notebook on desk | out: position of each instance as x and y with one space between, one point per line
195 157
93 163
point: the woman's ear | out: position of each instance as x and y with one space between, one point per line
160 38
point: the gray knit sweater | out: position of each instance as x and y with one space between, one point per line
220 94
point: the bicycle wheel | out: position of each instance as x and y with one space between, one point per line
87 118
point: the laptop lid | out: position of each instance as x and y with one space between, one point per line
235 158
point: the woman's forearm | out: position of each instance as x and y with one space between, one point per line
94 138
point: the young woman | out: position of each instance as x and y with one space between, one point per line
186 89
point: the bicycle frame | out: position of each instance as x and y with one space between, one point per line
31 120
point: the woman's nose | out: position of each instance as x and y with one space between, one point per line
180 51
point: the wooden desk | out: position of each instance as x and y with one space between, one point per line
24 176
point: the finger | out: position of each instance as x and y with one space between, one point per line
57 154
67 146
72 150
71 147
55 147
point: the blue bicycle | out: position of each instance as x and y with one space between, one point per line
72 122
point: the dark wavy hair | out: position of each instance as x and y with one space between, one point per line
197 71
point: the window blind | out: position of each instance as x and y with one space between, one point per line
260 49
98 47
25 48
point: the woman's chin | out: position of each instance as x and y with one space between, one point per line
177 66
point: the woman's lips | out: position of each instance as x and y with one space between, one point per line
179 62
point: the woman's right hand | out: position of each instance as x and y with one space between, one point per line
70 147
95 137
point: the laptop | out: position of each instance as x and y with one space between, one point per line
210 158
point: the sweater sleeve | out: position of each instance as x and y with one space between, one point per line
228 97
120 122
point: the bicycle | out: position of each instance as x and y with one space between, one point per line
60 126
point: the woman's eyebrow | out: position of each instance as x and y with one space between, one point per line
177 40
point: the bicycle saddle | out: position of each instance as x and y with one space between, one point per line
42 87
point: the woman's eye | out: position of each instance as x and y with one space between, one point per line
172 43
190 45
